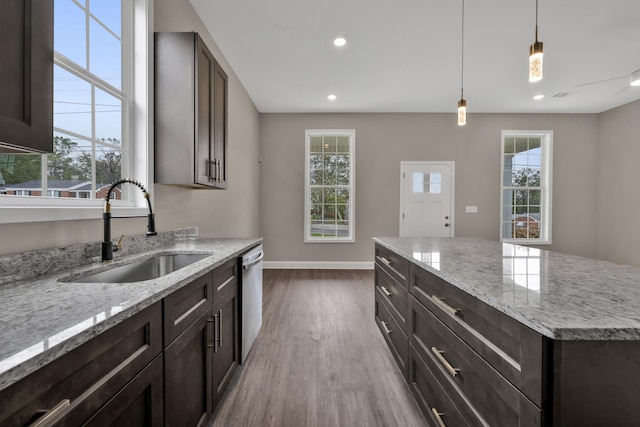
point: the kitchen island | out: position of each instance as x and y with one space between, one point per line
501 334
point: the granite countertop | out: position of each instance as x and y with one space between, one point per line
561 296
44 317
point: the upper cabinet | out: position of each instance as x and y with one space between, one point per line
190 113
26 76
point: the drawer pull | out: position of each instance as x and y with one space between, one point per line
443 305
52 415
211 324
385 327
386 291
438 416
453 371
385 261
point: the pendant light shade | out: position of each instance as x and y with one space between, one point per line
535 56
462 112
462 104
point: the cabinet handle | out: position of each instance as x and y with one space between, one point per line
443 305
211 323
453 371
438 416
215 334
385 261
386 291
218 170
220 327
51 415
385 327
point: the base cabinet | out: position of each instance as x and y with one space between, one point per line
169 364
84 383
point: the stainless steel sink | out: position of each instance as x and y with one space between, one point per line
146 269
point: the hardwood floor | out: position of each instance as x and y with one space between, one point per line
319 359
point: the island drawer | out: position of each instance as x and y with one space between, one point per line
396 266
394 294
392 332
452 360
514 350
437 406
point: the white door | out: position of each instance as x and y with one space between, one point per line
426 199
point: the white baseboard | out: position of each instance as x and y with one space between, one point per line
318 265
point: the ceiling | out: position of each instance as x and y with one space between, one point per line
405 56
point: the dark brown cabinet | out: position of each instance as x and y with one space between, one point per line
391 302
26 76
226 347
117 372
201 352
190 113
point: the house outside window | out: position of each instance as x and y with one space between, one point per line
101 76
525 197
330 186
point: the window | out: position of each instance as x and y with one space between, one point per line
526 187
97 87
330 186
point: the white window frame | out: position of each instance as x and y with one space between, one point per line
351 237
18 209
546 160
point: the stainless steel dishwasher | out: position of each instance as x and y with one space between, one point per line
250 299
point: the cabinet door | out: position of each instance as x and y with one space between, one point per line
205 170
138 404
188 381
26 76
220 126
226 345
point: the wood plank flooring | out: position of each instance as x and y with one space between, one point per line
319 359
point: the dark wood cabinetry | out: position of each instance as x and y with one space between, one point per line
26 76
84 383
202 351
391 303
191 92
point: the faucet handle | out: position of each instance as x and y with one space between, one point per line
119 244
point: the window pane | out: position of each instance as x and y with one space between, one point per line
315 161
316 144
67 166
105 55
20 173
509 145
330 144
343 144
108 164
108 12
71 102
70 31
108 117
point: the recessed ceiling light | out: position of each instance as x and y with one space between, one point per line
339 41
332 97
538 97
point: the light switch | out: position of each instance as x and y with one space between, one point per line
471 209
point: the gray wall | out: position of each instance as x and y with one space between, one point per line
619 185
383 140
229 213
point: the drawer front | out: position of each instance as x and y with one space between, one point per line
435 403
394 294
392 333
451 359
511 348
396 266
224 278
186 305
89 375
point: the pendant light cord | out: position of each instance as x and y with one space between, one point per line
536 21
462 59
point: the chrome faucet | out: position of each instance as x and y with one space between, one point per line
107 244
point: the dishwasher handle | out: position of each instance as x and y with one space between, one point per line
250 264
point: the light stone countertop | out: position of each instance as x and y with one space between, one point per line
561 296
42 318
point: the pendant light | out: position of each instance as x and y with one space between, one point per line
462 104
535 56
